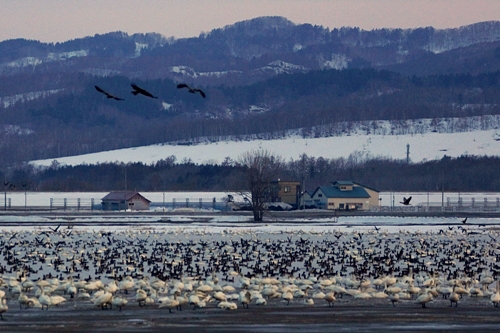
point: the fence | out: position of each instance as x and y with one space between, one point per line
177 203
80 204
460 206
73 204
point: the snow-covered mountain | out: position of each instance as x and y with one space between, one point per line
424 139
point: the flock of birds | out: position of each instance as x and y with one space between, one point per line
239 268
140 91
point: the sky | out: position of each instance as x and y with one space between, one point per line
62 20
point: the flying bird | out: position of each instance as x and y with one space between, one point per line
191 90
464 220
138 90
108 95
406 201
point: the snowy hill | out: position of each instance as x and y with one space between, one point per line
427 139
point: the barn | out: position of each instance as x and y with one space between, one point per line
125 200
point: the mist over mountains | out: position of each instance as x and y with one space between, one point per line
265 75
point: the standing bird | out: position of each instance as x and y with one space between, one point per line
138 90
3 307
406 201
191 90
108 95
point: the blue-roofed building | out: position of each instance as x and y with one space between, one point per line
345 195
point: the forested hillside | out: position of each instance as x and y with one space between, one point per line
85 121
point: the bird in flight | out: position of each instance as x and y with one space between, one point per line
108 95
191 90
464 220
138 90
406 201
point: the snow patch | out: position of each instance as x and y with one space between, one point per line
281 67
337 61
8 101
138 48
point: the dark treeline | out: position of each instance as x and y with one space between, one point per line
465 173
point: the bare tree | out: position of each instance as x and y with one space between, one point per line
261 168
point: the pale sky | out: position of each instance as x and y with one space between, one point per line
62 20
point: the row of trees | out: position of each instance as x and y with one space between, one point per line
252 173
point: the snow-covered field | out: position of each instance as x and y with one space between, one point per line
427 146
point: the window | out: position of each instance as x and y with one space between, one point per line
287 189
320 195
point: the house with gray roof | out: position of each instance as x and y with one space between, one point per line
125 200
345 195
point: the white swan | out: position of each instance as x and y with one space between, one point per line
168 303
394 298
119 302
495 298
245 298
44 299
103 300
426 297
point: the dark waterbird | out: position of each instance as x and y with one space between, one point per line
108 95
406 201
139 90
191 90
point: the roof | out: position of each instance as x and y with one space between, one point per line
335 192
121 195
343 182
368 187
